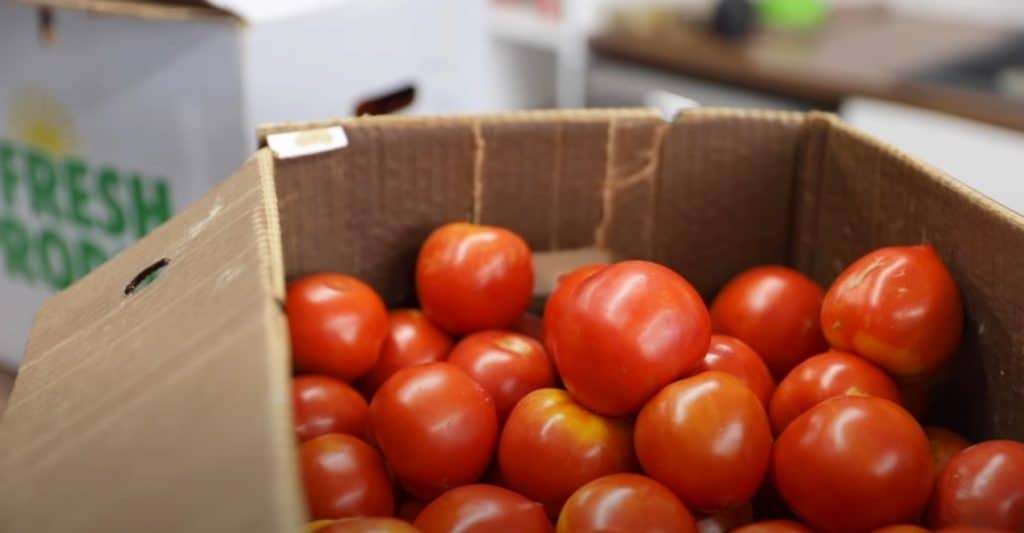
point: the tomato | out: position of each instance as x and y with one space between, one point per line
412 340
567 283
982 486
507 364
483 509
436 426
775 310
318 525
471 277
370 525
625 502
337 325
774 526
733 356
902 528
825 376
530 325
707 438
343 476
551 446
323 405
727 519
944 445
898 307
969 529
853 464
625 332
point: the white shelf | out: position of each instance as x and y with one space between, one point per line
524 25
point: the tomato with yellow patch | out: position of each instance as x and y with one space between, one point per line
897 307
551 446
625 502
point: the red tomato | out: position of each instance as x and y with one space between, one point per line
854 453
707 438
898 307
969 529
733 356
567 283
552 446
825 376
982 486
726 520
944 445
412 340
369 525
625 502
337 325
625 332
471 277
436 426
343 476
775 310
325 405
507 364
483 509
903 528
774 526
530 325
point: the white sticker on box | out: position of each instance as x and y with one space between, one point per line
307 142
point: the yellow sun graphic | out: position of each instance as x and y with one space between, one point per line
40 120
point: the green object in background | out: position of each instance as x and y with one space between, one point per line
792 14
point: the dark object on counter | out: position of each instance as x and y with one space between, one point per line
733 19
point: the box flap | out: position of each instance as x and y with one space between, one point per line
163 407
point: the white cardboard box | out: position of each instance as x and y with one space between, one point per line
116 114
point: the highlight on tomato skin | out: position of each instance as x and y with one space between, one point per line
472 277
551 446
898 307
625 502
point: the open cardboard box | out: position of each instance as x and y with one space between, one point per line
165 407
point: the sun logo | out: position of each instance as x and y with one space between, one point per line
40 120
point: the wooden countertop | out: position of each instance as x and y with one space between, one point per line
864 51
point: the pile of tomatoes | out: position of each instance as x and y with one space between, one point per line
631 406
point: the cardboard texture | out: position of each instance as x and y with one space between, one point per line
168 409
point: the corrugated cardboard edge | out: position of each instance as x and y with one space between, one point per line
160 11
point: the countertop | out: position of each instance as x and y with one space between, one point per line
859 51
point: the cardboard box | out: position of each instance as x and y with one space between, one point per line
165 406
114 115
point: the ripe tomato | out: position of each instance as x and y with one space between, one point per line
412 340
902 528
982 486
774 526
483 509
343 476
369 525
625 502
775 310
625 332
471 277
530 325
857 453
323 405
707 438
969 529
436 426
733 356
507 364
337 325
552 446
944 445
727 519
898 307
825 376
567 283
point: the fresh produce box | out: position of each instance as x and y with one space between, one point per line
729 317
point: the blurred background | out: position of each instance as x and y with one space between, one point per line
116 114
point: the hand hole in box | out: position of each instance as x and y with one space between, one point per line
387 103
146 277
